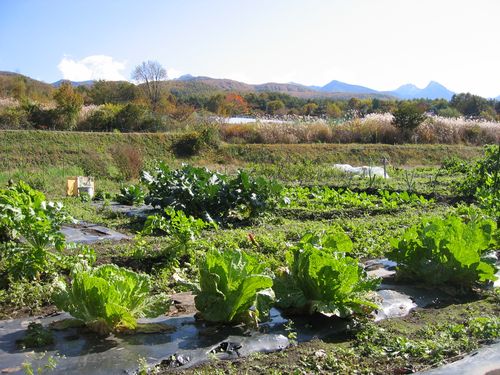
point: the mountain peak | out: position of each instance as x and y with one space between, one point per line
338 86
434 90
185 77
72 83
434 84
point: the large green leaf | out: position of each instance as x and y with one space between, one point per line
445 251
322 278
109 297
230 286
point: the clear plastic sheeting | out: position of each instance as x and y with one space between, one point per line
88 233
393 304
396 300
192 342
364 171
142 211
485 361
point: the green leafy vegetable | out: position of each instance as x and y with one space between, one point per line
131 195
322 278
183 230
29 225
233 288
109 298
211 195
25 212
324 198
445 252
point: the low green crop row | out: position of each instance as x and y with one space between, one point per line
322 198
211 195
319 276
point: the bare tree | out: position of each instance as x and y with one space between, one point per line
151 73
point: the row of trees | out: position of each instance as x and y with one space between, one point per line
150 104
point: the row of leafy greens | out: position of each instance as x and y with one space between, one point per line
320 277
210 195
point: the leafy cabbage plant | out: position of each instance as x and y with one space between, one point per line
321 277
109 298
233 288
131 195
26 213
29 226
183 230
446 251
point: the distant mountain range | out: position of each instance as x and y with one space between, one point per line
337 86
433 90
73 83
188 84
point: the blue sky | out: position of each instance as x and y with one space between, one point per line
378 43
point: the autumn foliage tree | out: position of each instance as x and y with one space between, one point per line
69 104
235 104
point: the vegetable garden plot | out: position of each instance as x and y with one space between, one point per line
191 341
317 276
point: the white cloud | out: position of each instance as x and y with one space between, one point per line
173 73
92 68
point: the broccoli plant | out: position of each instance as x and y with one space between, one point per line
210 195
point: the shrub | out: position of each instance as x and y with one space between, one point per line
209 134
407 117
102 119
449 112
14 118
95 165
188 144
128 159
